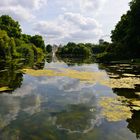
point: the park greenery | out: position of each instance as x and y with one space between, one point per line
82 50
125 37
14 44
125 41
74 50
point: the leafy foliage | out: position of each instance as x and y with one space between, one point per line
127 31
14 44
125 37
49 48
10 26
7 46
37 40
74 50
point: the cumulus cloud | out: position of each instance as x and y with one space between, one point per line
60 21
84 23
51 29
21 9
90 5
31 4
85 36
18 13
73 24
70 27
83 6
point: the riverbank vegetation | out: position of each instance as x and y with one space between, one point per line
14 44
74 50
125 41
82 51
125 37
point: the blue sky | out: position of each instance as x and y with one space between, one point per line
61 21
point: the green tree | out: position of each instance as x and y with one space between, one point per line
10 26
49 48
12 46
127 31
38 41
26 51
74 50
4 45
26 38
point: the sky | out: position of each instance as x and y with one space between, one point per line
62 21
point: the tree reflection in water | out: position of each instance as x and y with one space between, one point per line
127 70
66 111
11 76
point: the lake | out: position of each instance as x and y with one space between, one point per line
69 101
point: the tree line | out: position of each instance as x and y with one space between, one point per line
14 44
125 37
125 40
81 50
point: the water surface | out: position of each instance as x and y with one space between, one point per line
65 101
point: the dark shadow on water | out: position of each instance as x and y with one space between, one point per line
134 123
121 69
11 75
127 93
127 71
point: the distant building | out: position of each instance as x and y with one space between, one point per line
101 41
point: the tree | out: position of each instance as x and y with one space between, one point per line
74 50
38 41
10 26
49 48
127 31
14 44
26 38
4 45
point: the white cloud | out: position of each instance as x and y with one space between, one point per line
70 27
91 5
21 9
85 36
85 23
18 13
49 28
51 31
82 6
31 4
60 21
